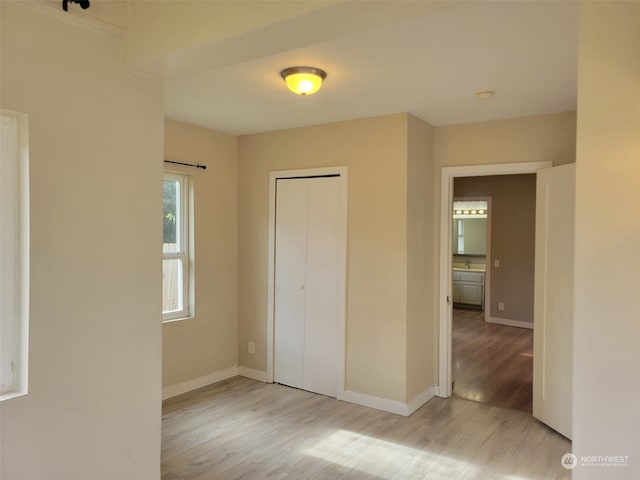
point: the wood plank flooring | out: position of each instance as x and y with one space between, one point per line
492 364
244 429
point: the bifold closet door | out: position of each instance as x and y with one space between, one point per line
290 281
306 283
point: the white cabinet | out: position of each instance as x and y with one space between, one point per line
471 293
468 287
456 289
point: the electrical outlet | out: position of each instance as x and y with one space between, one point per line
500 306
496 263
251 348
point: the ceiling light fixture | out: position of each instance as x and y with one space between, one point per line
486 95
303 80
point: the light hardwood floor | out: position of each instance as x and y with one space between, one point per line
492 363
244 429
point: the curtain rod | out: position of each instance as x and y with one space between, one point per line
203 167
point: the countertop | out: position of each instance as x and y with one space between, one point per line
470 269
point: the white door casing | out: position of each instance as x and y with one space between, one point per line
553 304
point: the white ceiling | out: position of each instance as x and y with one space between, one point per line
430 64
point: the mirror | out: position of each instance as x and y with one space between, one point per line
470 236
469 228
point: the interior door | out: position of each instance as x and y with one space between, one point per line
307 296
553 304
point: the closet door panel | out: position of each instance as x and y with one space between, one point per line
322 294
290 282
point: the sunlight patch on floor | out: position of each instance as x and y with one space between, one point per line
385 459
390 460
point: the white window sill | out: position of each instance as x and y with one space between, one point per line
12 394
179 319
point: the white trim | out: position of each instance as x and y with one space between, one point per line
193 384
510 323
386 405
419 400
487 261
252 373
436 391
14 249
446 199
273 176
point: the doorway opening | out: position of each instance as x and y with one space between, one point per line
471 248
493 358
553 286
446 305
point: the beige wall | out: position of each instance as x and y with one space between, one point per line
375 151
420 241
95 137
530 139
513 223
207 343
606 390
112 13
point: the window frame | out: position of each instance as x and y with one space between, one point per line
14 246
184 254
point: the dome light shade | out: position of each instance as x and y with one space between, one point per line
303 80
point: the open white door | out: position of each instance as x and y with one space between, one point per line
553 306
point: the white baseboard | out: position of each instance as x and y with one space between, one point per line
184 387
391 406
251 373
386 405
420 399
510 323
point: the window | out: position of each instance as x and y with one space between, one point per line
176 261
14 254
